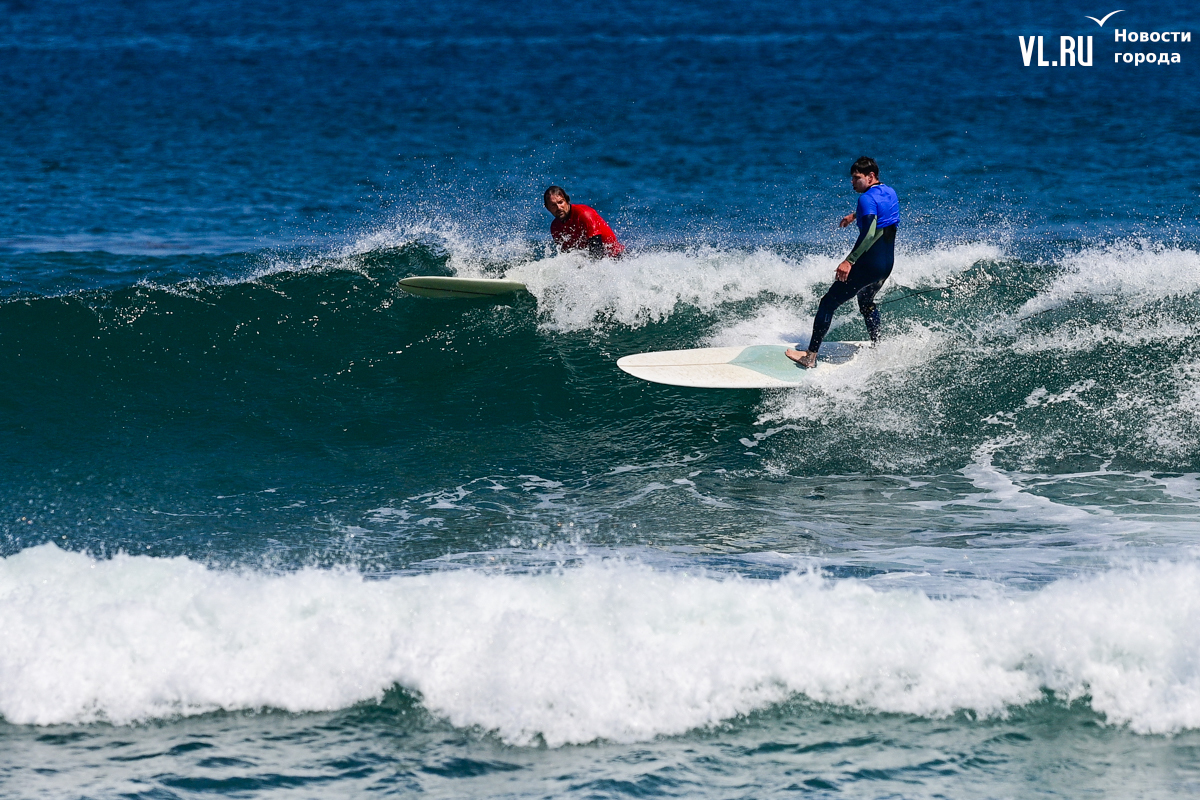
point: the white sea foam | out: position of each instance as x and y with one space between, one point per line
1130 272
940 264
1083 338
608 650
1175 427
574 291
1005 499
469 251
1181 487
849 392
773 324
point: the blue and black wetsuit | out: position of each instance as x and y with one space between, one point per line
874 253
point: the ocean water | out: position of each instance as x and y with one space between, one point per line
271 527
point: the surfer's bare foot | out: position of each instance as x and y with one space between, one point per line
802 357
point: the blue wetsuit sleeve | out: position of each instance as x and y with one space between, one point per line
866 237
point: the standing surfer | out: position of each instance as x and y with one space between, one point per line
580 227
869 263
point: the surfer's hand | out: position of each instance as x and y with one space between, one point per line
846 220
843 271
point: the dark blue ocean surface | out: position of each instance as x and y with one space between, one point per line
212 126
269 525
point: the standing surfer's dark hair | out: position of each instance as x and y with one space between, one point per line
556 191
865 166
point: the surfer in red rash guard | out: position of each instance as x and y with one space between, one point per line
579 227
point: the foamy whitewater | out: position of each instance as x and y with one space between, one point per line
609 650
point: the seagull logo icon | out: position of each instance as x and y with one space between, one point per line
1101 22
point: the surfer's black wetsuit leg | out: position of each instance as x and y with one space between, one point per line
870 311
867 275
839 293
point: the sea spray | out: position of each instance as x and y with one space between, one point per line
611 650
577 293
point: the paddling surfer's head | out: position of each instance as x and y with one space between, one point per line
557 202
864 173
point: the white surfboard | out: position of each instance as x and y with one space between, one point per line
757 366
436 286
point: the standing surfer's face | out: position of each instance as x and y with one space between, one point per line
559 206
863 182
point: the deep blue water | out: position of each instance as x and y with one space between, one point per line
271 526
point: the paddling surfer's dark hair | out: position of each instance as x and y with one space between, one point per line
556 191
865 166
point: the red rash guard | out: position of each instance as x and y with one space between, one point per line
580 225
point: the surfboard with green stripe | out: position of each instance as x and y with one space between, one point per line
758 366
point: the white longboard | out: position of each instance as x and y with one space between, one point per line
757 366
436 286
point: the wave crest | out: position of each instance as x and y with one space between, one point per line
611 650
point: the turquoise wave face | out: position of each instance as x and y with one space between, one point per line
248 401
